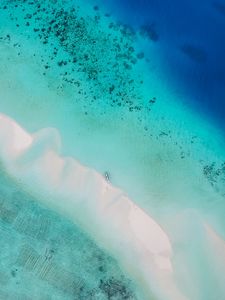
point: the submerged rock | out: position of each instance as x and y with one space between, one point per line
149 31
194 53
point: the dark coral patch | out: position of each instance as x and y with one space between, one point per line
149 31
196 54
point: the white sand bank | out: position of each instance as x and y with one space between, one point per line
119 225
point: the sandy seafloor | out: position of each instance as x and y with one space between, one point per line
70 67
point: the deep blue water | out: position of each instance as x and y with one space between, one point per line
191 39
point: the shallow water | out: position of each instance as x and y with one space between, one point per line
118 112
51 258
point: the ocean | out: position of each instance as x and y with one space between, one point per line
189 38
112 150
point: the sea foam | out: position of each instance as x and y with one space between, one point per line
121 227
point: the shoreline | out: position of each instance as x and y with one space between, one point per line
120 216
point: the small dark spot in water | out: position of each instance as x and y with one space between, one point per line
127 66
28 16
111 88
140 55
14 272
195 53
220 7
149 31
60 63
153 100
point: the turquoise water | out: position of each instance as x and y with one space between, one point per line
71 67
44 256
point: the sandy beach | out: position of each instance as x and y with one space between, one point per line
106 209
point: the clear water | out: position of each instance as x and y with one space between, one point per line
126 105
44 256
189 38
